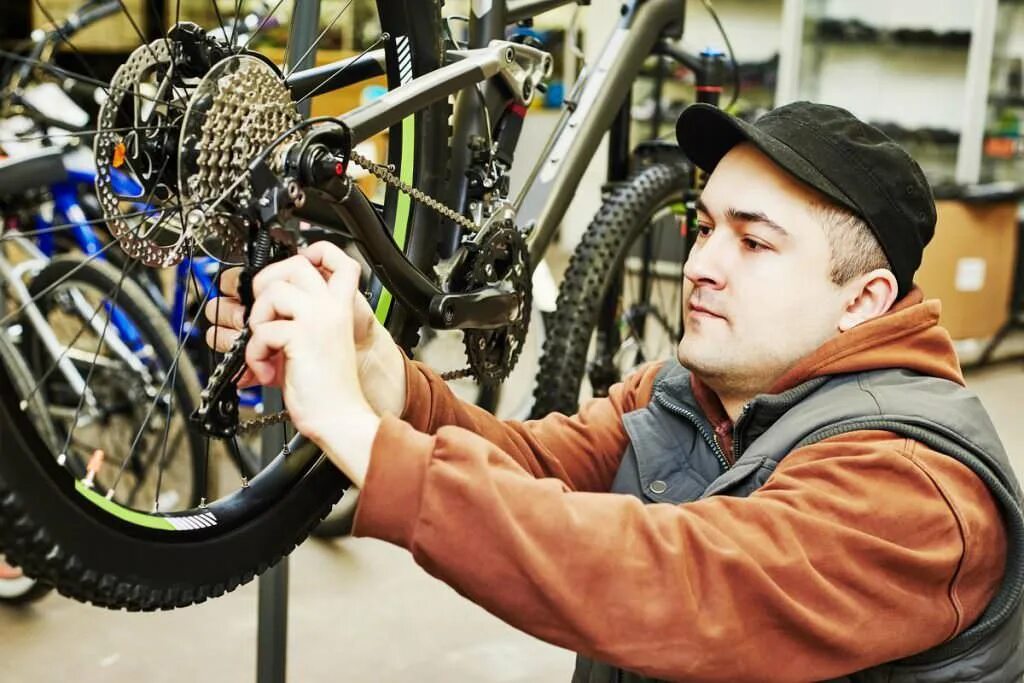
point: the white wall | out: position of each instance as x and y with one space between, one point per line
914 86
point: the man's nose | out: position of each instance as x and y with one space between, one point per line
705 264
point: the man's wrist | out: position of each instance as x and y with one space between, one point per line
382 372
347 440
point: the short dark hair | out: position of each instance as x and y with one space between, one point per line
855 249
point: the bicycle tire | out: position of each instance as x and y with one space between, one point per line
121 558
594 266
24 590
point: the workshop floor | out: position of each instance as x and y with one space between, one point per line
360 611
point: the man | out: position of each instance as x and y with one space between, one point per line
814 495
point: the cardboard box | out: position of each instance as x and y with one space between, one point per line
969 266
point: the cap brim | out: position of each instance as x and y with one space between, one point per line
706 134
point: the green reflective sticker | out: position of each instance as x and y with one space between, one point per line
403 207
137 518
383 306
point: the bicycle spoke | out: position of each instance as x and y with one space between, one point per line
337 74
78 134
67 347
62 457
234 23
16 234
156 399
103 85
67 41
319 38
89 259
170 403
263 22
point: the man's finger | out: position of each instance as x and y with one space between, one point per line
229 282
344 280
267 341
280 300
220 339
327 257
225 311
296 270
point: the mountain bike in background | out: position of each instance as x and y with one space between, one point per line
209 129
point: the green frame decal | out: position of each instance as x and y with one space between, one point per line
403 209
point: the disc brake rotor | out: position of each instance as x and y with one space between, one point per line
134 145
173 153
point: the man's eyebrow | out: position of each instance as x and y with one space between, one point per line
738 215
755 217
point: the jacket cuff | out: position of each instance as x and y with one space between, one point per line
389 501
415 385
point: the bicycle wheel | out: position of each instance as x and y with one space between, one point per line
120 556
143 392
619 304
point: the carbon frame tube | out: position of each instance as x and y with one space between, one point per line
336 75
475 66
547 195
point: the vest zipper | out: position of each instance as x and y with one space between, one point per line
710 438
737 436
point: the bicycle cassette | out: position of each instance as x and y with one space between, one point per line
185 119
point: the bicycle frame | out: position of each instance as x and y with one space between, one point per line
598 103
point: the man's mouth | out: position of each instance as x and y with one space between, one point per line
702 311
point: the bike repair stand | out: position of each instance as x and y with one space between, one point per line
272 625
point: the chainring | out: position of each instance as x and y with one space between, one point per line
501 258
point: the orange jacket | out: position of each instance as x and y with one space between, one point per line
860 549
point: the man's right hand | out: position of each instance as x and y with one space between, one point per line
380 361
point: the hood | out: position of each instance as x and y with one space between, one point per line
908 336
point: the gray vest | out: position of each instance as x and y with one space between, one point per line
673 458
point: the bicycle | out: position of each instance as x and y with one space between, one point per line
446 248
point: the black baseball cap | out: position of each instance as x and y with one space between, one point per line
852 163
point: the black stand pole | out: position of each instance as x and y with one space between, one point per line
272 627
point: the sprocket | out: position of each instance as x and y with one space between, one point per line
501 259
184 120
237 110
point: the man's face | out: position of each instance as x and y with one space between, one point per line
757 292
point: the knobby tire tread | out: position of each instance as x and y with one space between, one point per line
595 262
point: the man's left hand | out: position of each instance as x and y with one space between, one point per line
302 340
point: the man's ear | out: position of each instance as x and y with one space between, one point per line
868 297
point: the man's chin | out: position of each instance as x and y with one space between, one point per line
699 361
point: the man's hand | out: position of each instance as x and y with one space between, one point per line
314 335
380 365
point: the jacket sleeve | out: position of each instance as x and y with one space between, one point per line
859 550
582 451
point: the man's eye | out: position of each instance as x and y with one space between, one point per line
704 230
753 245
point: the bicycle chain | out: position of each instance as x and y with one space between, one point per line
384 173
